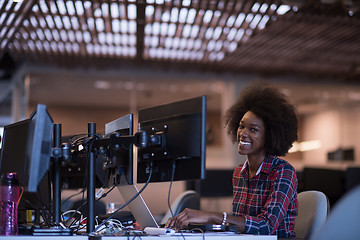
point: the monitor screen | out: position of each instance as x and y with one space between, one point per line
119 163
26 148
13 152
181 155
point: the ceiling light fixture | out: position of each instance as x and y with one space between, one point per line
305 146
101 84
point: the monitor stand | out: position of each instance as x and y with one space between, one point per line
57 229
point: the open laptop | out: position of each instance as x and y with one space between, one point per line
138 207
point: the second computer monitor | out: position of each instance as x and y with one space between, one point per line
181 155
119 165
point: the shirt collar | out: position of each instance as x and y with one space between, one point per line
247 163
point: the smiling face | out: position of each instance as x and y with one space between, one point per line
251 135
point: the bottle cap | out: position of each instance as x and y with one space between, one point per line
9 179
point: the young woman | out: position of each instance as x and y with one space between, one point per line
264 125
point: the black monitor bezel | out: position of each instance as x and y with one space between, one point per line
21 139
37 149
125 126
187 168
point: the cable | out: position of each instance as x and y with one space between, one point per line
82 139
128 202
67 221
87 142
200 230
170 187
102 196
75 194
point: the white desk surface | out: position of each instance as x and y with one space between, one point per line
199 236
177 236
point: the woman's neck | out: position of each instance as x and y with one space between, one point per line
254 162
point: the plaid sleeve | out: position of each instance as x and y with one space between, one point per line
283 188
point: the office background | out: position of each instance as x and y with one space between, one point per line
94 61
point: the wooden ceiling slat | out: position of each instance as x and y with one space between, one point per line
214 23
87 29
20 16
105 44
30 32
211 25
83 29
202 27
56 29
198 19
78 54
5 20
311 40
94 31
223 49
179 33
109 26
155 20
63 31
43 55
162 36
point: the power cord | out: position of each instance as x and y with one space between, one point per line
78 209
127 203
170 187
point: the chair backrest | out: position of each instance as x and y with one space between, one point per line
343 221
312 212
188 199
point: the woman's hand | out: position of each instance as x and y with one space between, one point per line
189 216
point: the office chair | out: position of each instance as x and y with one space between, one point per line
343 220
188 199
313 207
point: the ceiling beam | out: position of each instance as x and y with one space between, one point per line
140 31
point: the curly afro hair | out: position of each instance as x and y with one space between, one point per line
278 115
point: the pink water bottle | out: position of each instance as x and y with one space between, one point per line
9 198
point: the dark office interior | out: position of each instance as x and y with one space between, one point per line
94 61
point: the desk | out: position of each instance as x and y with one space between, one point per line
177 236
199 236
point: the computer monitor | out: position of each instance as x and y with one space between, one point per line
73 175
26 148
119 164
181 155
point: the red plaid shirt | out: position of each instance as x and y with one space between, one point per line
268 201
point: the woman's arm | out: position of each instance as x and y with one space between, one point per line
191 216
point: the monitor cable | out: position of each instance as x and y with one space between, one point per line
170 187
82 205
127 203
73 195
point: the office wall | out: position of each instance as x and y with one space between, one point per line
74 119
335 128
